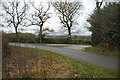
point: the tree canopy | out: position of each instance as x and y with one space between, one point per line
105 26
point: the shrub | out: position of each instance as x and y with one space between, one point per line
65 41
55 40
23 38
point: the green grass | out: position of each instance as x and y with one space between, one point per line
100 51
82 69
47 64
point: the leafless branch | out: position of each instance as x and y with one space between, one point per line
67 12
15 13
40 16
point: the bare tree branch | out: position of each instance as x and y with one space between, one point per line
15 13
39 17
67 12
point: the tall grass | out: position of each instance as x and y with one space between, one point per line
5 46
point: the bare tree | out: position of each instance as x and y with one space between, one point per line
68 13
99 4
16 13
40 16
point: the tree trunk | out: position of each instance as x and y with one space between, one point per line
69 32
16 31
40 34
69 35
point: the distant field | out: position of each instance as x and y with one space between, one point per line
34 63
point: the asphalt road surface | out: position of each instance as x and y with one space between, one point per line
100 60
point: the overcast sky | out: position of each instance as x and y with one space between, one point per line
54 22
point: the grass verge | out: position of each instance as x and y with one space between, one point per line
101 52
35 63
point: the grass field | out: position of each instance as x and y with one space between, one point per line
34 63
101 52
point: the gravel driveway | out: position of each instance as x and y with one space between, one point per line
71 46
